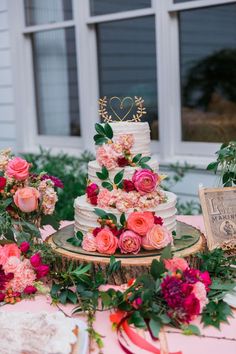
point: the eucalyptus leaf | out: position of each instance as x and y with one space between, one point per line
155 327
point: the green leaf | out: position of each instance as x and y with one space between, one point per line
157 269
136 158
166 253
155 327
104 174
100 141
114 265
108 130
213 166
50 220
107 185
123 219
106 299
81 270
100 129
144 165
72 297
101 213
9 235
54 289
215 313
76 240
190 330
63 296
137 320
112 217
119 176
144 159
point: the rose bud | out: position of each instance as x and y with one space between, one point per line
92 190
158 220
42 271
30 289
36 260
24 247
128 185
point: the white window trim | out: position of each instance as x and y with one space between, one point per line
170 147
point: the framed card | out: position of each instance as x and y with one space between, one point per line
219 212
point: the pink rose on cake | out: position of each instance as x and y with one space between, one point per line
26 199
18 168
92 191
129 242
106 242
156 238
89 243
140 222
145 181
107 156
126 141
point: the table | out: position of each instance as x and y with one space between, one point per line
212 340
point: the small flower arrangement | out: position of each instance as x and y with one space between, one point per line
27 200
140 230
21 272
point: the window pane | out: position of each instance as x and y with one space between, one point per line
56 82
127 62
176 1
208 73
101 7
38 12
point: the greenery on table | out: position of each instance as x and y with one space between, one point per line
226 163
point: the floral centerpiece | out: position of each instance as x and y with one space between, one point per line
27 200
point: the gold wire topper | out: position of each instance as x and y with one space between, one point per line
126 105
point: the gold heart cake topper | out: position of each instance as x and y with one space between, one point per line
122 111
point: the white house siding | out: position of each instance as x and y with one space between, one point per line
7 115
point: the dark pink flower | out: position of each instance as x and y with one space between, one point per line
42 271
4 278
122 161
205 278
158 220
128 185
24 247
191 306
94 200
96 231
36 260
30 289
3 182
145 181
2 297
57 182
92 190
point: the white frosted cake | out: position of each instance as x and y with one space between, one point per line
124 193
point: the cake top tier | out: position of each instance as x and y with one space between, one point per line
140 132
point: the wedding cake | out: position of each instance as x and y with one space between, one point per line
124 209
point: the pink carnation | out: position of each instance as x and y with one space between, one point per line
104 198
107 156
175 264
145 181
129 242
126 141
11 264
89 243
23 277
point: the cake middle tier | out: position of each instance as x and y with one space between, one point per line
94 167
86 219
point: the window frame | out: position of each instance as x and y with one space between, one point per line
170 147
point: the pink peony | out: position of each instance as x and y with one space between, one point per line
106 242
129 242
104 198
18 168
145 181
126 141
26 199
23 276
175 264
42 271
157 237
107 156
30 289
140 222
36 260
9 250
24 246
11 264
199 291
89 243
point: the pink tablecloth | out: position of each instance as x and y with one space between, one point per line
212 340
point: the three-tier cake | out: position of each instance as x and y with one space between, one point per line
124 209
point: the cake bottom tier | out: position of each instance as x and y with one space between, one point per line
86 219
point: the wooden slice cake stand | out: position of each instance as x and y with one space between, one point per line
187 242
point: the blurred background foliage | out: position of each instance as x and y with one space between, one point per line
73 173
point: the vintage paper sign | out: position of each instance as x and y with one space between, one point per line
219 212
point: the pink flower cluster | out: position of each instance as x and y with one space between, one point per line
142 229
116 153
19 271
185 290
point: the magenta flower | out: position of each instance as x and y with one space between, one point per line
36 260
30 289
57 182
24 247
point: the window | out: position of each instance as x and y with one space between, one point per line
208 73
55 68
101 7
127 62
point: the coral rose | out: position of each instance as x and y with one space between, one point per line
18 168
140 222
145 181
106 242
9 250
89 243
157 237
26 199
107 156
129 242
175 264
